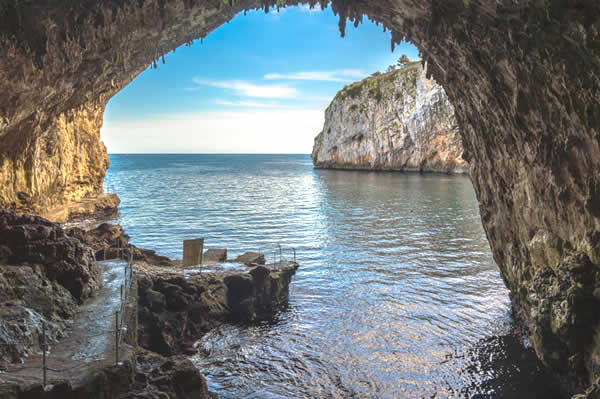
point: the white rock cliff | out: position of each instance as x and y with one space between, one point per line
399 120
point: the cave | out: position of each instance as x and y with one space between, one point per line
524 78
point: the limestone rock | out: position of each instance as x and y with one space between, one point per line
44 274
251 258
172 377
175 310
399 120
110 241
214 256
34 240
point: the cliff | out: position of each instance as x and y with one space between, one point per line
399 120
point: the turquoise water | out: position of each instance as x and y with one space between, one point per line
397 294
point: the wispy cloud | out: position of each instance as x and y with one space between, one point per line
249 104
246 89
306 8
345 75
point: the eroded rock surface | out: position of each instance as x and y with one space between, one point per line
172 377
398 120
251 258
44 275
109 241
523 78
214 255
176 309
26 240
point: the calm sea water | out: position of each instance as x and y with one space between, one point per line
397 294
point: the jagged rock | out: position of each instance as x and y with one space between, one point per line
44 274
98 207
109 241
173 377
115 381
398 120
251 258
175 310
28 299
214 256
34 240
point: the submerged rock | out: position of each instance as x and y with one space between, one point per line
399 120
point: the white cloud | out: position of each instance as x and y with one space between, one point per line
251 131
246 89
306 8
253 104
345 75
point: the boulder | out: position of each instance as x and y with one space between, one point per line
64 259
214 256
251 258
167 377
175 310
109 241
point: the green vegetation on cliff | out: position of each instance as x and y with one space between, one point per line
377 84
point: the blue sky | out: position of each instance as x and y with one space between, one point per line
259 84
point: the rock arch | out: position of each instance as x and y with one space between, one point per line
524 78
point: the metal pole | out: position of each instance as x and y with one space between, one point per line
117 337
44 350
279 253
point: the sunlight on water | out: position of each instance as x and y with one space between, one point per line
397 294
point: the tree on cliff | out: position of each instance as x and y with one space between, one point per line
402 61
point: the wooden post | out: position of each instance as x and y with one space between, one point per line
294 254
192 252
44 351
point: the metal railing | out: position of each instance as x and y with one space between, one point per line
119 327
278 253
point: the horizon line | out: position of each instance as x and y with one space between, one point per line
208 153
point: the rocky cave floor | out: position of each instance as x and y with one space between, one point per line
49 276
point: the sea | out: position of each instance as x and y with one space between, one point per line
397 294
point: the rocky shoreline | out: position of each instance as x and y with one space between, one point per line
47 271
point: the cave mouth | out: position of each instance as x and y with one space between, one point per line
197 91
524 80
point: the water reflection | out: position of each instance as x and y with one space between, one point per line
397 294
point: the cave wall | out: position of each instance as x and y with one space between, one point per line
61 158
523 78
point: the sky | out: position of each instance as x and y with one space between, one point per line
259 84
